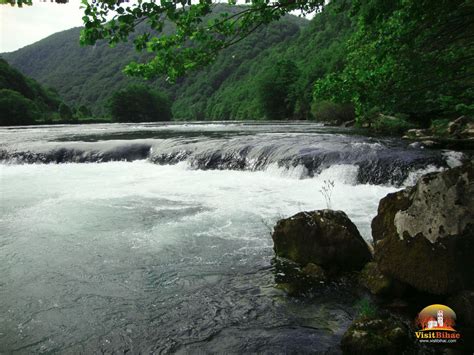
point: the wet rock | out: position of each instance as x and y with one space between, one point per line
418 133
424 236
398 304
463 306
376 335
376 282
455 127
416 145
326 238
295 280
314 272
350 123
468 131
425 144
428 143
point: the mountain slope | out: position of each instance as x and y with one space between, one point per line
88 75
23 100
353 60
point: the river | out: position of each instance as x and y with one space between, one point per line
141 238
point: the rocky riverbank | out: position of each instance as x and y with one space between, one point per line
422 254
456 134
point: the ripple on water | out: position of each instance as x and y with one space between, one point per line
143 258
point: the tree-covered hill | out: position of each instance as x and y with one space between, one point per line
392 65
90 75
23 100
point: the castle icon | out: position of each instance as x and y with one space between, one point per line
438 323
440 318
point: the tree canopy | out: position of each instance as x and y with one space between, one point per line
414 57
196 38
277 91
23 100
137 103
16 109
411 58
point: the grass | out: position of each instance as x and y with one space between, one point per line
366 308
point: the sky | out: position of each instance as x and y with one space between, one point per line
22 26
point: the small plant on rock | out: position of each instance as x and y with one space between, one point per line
326 190
366 308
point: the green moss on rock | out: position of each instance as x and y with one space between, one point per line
375 335
376 282
325 238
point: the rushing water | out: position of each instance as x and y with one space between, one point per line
165 245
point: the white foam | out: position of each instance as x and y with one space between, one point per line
57 194
453 158
293 172
414 175
366 145
342 173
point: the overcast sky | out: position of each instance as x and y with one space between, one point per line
22 26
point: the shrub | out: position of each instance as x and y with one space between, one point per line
391 124
276 90
16 109
83 112
139 104
65 111
327 111
464 109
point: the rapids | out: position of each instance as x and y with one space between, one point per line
156 238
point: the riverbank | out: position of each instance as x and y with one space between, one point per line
422 255
455 134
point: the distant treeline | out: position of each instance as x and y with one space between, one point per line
410 60
23 101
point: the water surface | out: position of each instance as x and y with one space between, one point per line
156 238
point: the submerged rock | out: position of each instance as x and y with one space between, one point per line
325 238
375 335
424 236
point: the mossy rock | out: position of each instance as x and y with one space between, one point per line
424 236
314 272
377 283
325 238
375 335
295 280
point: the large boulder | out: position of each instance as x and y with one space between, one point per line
325 238
379 334
424 235
378 283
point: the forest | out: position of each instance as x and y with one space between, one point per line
24 101
363 60
230 177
